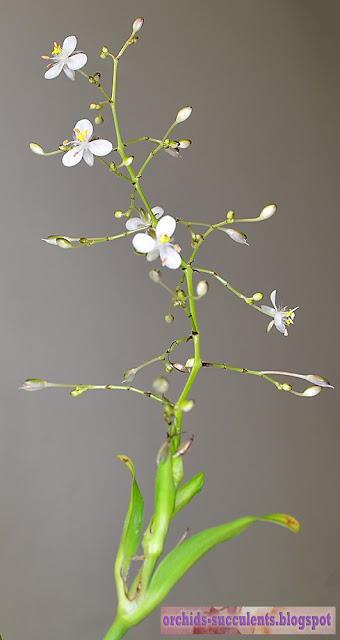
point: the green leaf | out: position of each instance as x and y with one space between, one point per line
133 523
182 558
186 493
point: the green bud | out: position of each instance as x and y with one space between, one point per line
169 318
129 375
319 381
92 80
137 25
93 105
257 297
160 385
174 144
129 160
237 236
99 120
268 211
231 215
112 167
183 114
202 288
97 76
33 384
312 391
63 243
155 275
185 405
36 148
168 367
184 144
119 214
78 391
286 386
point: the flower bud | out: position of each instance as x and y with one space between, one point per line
113 167
174 144
119 214
169 318
184 448
184 144
173 152
78 391
97 76
183 114
92 80
99 120
185 405
312 391
33 384
237 236
129 160
320 381
129 375
137 25
202 288
155 275
257 297
190 363
104 53
64 243
36 148
93 105
168 367
286 386
180 367
231 215
268 211
160 385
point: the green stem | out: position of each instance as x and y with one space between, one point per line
117 631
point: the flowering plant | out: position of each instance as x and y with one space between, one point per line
152 236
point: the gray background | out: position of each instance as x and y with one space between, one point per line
261 76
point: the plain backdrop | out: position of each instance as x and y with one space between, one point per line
261 76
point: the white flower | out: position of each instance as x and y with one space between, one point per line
160 245
65 59
282 316
144 219
83 146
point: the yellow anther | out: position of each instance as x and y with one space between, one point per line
164 238
81 136
56 50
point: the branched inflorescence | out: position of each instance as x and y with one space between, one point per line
153 237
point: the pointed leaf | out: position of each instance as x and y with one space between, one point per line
182 558
133 523
186 493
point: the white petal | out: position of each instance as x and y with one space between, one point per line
77 60
158 212
69 45
143 243
279 323
73 156
269 326
134 223
69 72
88 157
84 125
152 255
167 226
273 298
100 147
170 257
269 310
54 70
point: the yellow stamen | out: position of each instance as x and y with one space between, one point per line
164 239
56 50
46 57
81 136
